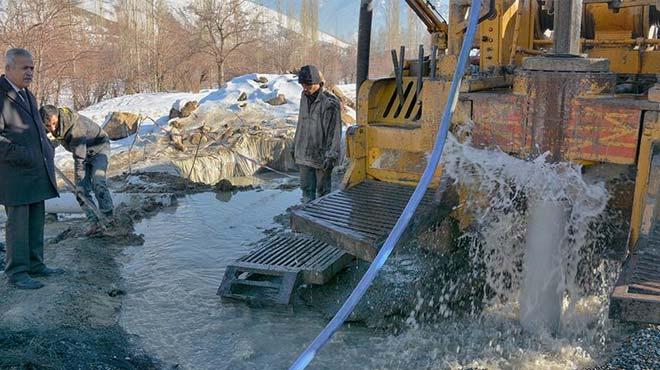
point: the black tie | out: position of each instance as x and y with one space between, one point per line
24 96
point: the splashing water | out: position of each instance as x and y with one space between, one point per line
496 189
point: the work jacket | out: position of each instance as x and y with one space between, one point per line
318 133
80 136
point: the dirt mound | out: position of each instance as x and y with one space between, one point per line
158 182
70 348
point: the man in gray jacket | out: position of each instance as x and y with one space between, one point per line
317 140
27 173
90 146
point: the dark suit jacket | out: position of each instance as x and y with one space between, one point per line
27 170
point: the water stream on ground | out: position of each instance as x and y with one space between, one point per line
172 307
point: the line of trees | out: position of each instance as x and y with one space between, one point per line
83 57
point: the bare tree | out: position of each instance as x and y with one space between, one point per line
43 26
393 12
224 27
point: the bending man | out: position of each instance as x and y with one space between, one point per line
90 146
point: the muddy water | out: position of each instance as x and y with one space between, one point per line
172 307
172 280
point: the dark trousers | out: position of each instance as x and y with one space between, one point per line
314 182
96 169
25 238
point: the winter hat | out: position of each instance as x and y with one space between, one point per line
309 75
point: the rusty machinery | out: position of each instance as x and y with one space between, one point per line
572 77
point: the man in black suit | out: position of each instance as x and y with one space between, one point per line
27 173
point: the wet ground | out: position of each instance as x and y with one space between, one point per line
150 301
71 323
172 307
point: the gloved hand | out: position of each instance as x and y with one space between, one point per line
80 189
328 163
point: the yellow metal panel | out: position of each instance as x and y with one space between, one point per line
356 150
355 173
395 138
613 35
606 19
650 134
650 62
625 60
356 147
401 177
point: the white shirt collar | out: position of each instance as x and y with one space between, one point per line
13 86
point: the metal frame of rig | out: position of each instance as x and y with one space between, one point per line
586 95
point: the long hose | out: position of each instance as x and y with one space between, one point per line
402 223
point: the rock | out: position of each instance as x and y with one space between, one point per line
440 238
264 86
174 113
116 292
177 139
224 185
345 100
198 138
280 99
121 125
261 80
242 96
346 118
242 105
188 108
176 123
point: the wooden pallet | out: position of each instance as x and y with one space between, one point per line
358 219
272 272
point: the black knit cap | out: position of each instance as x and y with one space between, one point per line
309 75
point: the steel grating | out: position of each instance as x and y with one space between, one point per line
636 296
278 266
356 219
317 261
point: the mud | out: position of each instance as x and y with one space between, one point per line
72 323
162 182
412 274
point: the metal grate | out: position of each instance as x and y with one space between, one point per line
646 273
317 260
272 272
357 218
636 296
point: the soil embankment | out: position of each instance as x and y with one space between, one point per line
72 323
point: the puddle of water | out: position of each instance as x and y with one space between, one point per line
172 281
171 304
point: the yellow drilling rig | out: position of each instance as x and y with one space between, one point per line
575 78
572 78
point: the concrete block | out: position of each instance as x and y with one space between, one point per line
566 64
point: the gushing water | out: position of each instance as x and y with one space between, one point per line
540 298
171 302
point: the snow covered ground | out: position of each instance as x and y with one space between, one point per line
157 105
